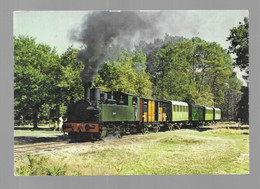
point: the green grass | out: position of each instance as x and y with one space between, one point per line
35 133
40 166
44 130
181 152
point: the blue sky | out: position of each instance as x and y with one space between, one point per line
53 27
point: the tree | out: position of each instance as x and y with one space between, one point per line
194 71
232 95
171 75
239 44
36 72
243 106
150 50
70 86
126 74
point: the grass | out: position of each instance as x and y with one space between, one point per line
36 133
40 166
181 152
28 130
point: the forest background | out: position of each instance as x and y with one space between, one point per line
177 68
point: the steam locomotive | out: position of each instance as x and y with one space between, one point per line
98 115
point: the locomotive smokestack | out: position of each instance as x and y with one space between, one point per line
87 87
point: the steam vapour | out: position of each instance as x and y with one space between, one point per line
100 29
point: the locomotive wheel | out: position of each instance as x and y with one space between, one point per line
170 127
179 125
145 130
98 136
156 129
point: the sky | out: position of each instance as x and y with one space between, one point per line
54 28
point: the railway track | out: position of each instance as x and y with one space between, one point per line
50 146
42 147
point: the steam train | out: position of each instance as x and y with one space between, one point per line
98 115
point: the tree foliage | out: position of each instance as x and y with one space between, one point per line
36 68
150 50
193 70
171 76
43 81
239 44
70 86
243 106
239 39
174 68
126 74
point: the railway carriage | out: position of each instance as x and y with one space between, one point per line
152 114
196 114
217 114
208 115
178 113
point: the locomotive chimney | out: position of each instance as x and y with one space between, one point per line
87 90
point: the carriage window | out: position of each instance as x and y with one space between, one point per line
121 100
177 109
145 106
134 101
116 98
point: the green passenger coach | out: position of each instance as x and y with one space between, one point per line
179 111
208 114
196 114
217 114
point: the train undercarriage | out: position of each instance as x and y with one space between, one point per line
118 129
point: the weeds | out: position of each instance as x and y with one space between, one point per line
39 166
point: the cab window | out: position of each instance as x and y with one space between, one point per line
134 101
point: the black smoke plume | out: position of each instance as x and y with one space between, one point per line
100 29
